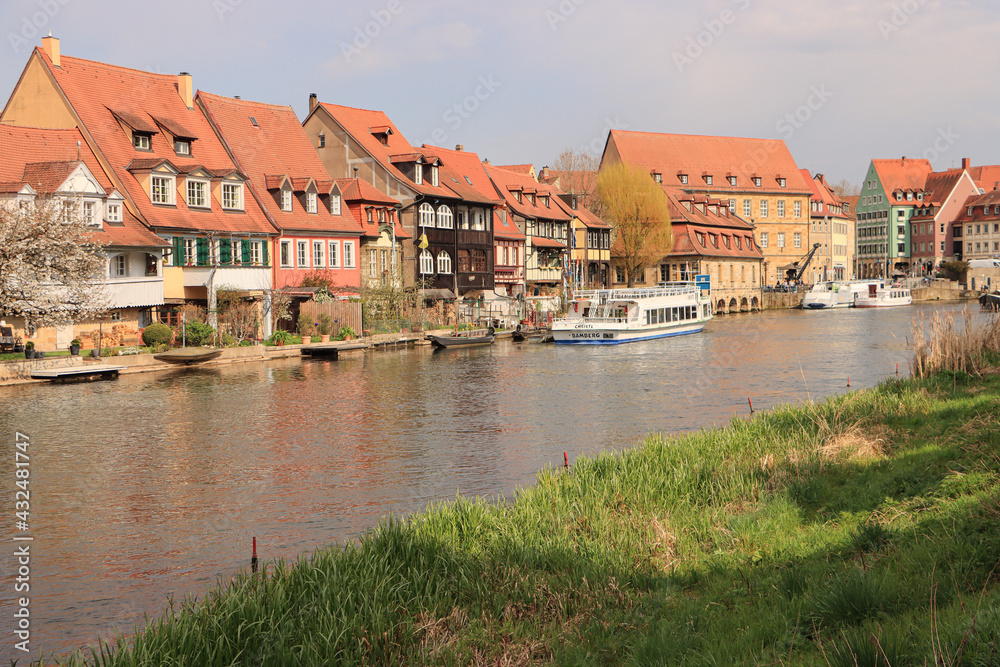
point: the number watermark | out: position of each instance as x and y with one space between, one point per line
22 542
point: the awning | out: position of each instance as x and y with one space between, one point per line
438 294
542 242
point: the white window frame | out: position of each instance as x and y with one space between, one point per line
285 254
781 239
182 147
205 192
797 208
426 263
434 176
426 215
781 208
286 200
302 254
444 263
763 208
797 239
747 208
732 181
114 212
310 202
333 252
190 251
119 267
166 197
318 257
256 252
235 252
335 204
228 190
142 142
349 255
90 213
418 173
445 218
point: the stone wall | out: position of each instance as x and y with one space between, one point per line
779 300
20 370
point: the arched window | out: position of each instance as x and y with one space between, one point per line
444 217
444 262
479 261
426 263
426 215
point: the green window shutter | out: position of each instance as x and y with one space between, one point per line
245 252
225 252
202 246
179 259
264 244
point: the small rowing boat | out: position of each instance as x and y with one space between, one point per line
188 355
467 340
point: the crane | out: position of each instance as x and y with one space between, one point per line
799 268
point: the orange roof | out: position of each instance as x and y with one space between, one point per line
574 182
824 194
990 198
902 173
504 227
276 145
359 123
463 172
524 169
503 180
19 145
675 154
987 176
93 88
706 228
356 190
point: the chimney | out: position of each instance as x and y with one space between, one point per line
185 89
313 101
50 45
486 161
966 163
459 148
545 173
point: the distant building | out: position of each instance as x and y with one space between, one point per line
757 178
829 225
977 227
934 238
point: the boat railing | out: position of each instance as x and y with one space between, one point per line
633 293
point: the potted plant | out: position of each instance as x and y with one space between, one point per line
325 325
305 324
279 338
29 350
347 333
74 346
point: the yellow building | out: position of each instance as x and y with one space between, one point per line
758 178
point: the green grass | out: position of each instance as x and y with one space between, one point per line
8 356
862 531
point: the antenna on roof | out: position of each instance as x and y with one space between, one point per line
355 171
77 150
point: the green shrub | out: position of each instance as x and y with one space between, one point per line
345 332
279 337
199 333
325 324
225 340
305 325
157 334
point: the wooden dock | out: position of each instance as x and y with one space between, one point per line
86 372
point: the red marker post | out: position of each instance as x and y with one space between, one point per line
566 460
253 558
751 405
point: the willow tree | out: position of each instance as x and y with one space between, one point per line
639 213
51 270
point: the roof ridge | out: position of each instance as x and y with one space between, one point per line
242 102
113 67
698 136
344 106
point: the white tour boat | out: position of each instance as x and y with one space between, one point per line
612 316
836 293
883 297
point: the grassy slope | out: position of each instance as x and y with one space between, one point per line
865 527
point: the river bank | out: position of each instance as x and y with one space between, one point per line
863 526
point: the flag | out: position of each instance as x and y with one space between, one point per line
423 240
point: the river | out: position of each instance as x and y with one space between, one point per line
153 485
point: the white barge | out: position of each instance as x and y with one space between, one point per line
836 293
884 297
612 316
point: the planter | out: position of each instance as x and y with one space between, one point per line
348 337
280 343
29 354
74 350
324 338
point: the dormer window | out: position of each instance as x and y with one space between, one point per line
909 196
310 202
335 204
518 196
986 210
970 211
197 194
232 196
434 176
781 182
732 181
708 179
286 200
182 147
114 212
545 201
368 215
141 140
161 189
683 178
657 177
418 173
756 181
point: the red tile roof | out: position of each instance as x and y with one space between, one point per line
986 176
673 154
695 230
92 87
542 242
277 144
359 122
523 169
463 172
504 180
19 145
504 227
824 194
904 173
355 190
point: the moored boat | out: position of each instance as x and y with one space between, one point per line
836 293
466 340
883 297
188 355
613 316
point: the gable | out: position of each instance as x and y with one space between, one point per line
37 101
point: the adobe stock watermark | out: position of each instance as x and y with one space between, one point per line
899 17
713 29
596 145
370 30
795 120
33 23
945 139
562 12
223 7
459 112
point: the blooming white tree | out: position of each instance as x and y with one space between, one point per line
51 269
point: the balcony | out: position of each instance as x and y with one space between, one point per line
135 292
245 277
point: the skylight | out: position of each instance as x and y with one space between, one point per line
254 121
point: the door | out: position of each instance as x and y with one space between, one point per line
64 335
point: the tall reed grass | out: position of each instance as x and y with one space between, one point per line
941 344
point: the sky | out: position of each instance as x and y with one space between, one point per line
519 81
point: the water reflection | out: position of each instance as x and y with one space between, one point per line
155 484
